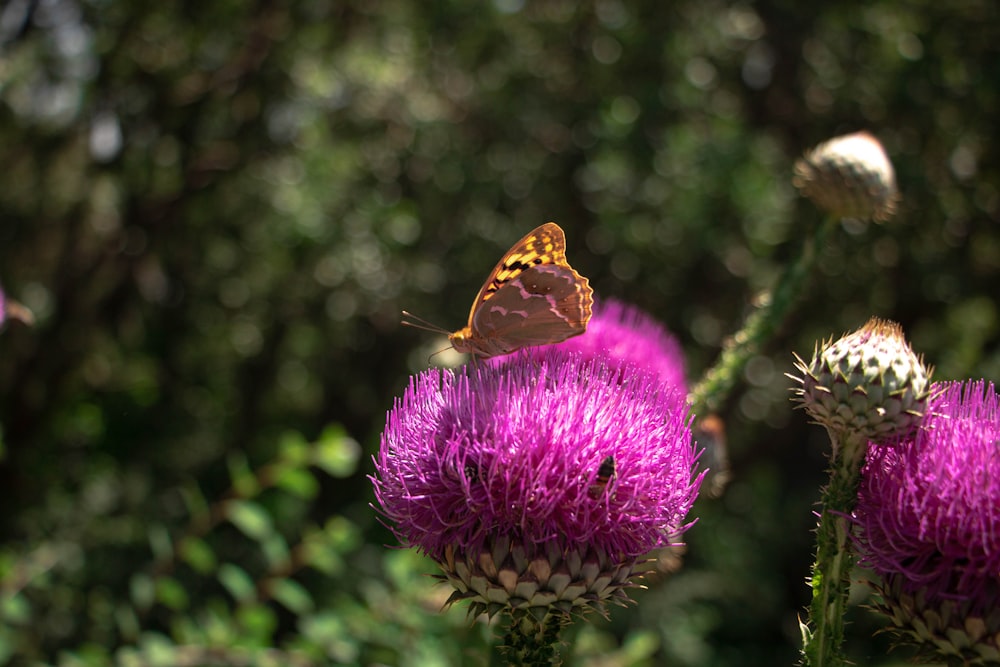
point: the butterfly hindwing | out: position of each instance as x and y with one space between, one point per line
543 304
532 297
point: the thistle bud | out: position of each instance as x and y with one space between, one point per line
850 177
868 384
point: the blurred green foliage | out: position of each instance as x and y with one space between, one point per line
217 211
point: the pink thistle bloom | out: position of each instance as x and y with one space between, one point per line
553 468
928 520
623 335
929 508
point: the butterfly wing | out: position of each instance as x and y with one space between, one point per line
542 304
532 297
543 245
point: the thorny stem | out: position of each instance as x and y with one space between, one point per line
831 576
773 307
533 641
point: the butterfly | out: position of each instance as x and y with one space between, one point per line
532 297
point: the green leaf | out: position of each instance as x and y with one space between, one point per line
244 481
195 552
641 645
14 609
160 543
127 619
195 502
336 452
171 594
259 620
293 448
88 655
251 519
7 646
239 584
405 567
298 481
156 650
292 595
143 590
329 630
275 550
318 553
343 534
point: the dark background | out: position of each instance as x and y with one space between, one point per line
217 211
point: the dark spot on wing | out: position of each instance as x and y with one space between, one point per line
509 271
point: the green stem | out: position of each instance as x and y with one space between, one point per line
831 575
533 641
715 386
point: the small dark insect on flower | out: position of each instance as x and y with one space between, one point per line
604 474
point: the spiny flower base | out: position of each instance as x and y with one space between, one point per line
948 630
868 383
504 575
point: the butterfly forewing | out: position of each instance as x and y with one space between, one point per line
532 297
542 245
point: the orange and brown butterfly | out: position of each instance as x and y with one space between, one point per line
532 297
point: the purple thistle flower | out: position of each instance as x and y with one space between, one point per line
510 463
623 335
928 514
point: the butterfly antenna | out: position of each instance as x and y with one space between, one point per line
434 354
411 320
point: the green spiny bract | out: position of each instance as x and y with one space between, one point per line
868 383
554 580
945 630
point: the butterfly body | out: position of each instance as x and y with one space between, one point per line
532 297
